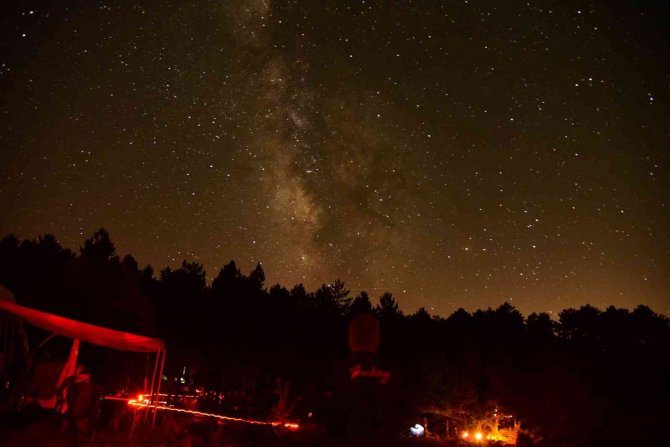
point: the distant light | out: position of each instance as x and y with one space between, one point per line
417 430
478 436
465 434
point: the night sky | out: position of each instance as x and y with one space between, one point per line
455 153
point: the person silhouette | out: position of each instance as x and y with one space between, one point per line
78 398
365 395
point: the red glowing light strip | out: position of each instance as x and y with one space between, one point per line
288 425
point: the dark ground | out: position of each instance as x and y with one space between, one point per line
43 429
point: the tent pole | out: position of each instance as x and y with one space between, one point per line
158 387
44 342
153 382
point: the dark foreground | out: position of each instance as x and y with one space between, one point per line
44 429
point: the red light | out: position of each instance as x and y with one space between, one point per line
288 425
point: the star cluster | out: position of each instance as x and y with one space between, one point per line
455 153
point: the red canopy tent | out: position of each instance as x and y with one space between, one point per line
90 333
86 332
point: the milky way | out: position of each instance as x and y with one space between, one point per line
454 153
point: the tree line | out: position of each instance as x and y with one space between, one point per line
591 376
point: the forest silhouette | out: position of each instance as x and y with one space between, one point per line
591 376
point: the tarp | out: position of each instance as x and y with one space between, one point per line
85 332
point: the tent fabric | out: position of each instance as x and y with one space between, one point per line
85 332
70 367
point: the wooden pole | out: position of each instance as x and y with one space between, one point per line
158 387
153 382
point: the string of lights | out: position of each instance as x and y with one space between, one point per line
144 403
